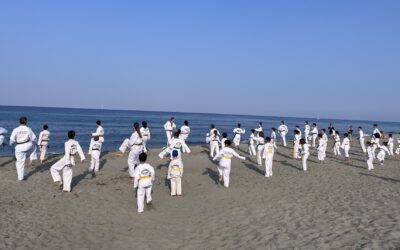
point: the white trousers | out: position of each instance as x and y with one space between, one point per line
381 156
346 151
391 146
314 138
169 135
398 151
336 148
283 135
133 157
43 152
20 154
224 172
370 163
321 154
374 147
296 148
176 186
362 143
141 193
66 178
306 136
260 149
236 140
304 159
95 161
252 149
214 148
1 140
268 166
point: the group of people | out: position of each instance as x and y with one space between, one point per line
223 150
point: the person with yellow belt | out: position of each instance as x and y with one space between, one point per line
143 182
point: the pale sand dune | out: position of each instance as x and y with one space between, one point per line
336 206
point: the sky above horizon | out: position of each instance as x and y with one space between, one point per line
332 59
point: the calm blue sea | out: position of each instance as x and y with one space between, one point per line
118 124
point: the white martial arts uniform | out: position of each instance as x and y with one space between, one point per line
306 132
398 146
376 131
225 161
238 135
100 131
223 142
382 153
391 145
175 172
65 164
283 130
43 143
3 131
259 129
146 136
95 152
259 148
252 148
169 128
322 144
296 146
362 140
273 139
305 153
336 145
375 145
370 161
135 145
214 145
268 155
144 176
346 146
185 132
175 144
25 139
314 134
298 129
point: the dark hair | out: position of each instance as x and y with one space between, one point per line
282 122
267 139
71 134
306 122
346 135
177 133
385 143
369 143
96 138
390 135
324 130
273 128
98 122
143 157
186 123
239 125
261 134
215 132
136 126
360 127
337 132
228 143
45 127
23 120
319 135
375 125
253 130
212 125
314 124
171 119
296 132
224 135
144 124
377 135
302 141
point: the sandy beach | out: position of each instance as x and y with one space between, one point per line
336 206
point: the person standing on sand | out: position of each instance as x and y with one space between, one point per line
185 131
252 149
135 145
305 153
24 140
259 139
214 143
3 131
322 144
145 131
273 138
175 144
391 144
296 144
314 134
65 164
361 139
99 129
306 130
283 130
259 129
370 161
336 143
268 155
346 146
239 131
169 127
43 142
144 176
175 172
95 146
225 161
382 153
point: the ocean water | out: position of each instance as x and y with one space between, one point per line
118 125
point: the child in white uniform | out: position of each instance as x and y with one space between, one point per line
314 134
175 172
305 153
224 138
370 161
225 161
273 137
322 144
382 153
260 142
296 146
283 130
346 146
43 142
135 145
306 130
169 127
361 139
252 148
214 143
239 131
185 131
391 144
268 155
95 151
146 135
143 182
336 143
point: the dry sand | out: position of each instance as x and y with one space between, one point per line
336 206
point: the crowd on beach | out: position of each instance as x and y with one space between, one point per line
375 146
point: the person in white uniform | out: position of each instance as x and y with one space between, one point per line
99 129
260 143
66 163
370 161
146 135
225 162
24 140
336 143
391 144
314 134
398 146
346 146
95 146
375 143
169 127
214 144
211 133
175 144
224 138
185 131
376 130
175 172
268 155
298 129
252 148
135 146
43 142
296 144
239 131
305 153
322 144
283 130
144 176
259 128
361 139
3 132
307 129
273 138
382 152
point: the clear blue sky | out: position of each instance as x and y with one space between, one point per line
339 59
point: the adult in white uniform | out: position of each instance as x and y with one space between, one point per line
135 145
283 130
65 164
336 143
146 135
169 127
25 139
260 143
214 144
305 153
239 131
185 131
144 176
322 144
314 134
307 130
95 146
361 139
225 161
252 148
268 155
296 144
99 129
43 142
273 138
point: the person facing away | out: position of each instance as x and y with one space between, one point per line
95 146
146 135
175 172
238 131
268 155
143 182
43 142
